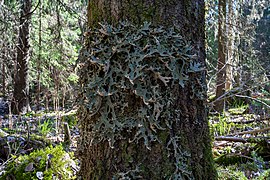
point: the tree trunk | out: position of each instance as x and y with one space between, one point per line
20 102
4 75
183 150
221 67
39 57
230 46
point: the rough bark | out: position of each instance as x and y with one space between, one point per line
100 161
20 102
221 67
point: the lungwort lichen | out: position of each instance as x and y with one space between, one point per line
127 66
128 77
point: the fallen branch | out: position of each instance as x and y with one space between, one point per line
257 100
229 138
245 120
243 140
251 132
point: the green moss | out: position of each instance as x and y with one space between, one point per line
230 173
229 160
51 161
34 137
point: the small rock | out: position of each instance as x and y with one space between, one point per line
11 139
29 167
39 175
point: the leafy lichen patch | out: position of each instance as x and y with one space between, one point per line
128 76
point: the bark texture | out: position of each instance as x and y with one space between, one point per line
20 102
190 128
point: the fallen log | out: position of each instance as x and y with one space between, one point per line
230 138
265 141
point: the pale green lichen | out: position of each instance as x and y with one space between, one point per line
133 70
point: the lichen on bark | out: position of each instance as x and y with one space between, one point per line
142 111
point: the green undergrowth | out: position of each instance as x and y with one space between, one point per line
232 122
238 160
242 167
238 108
49 163
234 172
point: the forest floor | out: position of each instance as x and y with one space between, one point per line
21 135
241 146
241 140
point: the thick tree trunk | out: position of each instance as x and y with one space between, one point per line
221 67
184 150
20 102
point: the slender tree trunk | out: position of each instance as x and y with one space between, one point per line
184 150
47 100
4 46
230 46
39 57
4 76
237 49
57 71
20 102
221 67
64 97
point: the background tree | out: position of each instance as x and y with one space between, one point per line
61 30
50 71
8 43
262 41
221 67
39 56
181 149
244 73
230 46
21 82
